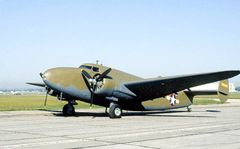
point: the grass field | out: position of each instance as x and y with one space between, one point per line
205 101
33 102
36 102
213 99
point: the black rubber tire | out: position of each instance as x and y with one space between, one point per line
189 109
68 110
115 111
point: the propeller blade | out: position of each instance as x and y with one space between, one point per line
91 82
92 94
92 97
87 83
86 78
105 73
86 74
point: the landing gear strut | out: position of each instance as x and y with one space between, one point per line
115 111
68 110
106 112
189 109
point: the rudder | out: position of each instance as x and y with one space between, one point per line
223 90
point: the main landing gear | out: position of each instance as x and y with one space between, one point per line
189 109
68 109
115 110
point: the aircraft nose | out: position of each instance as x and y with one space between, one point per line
59 75
47 74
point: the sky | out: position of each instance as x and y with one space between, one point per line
148 38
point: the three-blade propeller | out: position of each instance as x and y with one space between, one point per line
94 82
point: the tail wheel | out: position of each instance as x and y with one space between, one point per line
68 110
115 111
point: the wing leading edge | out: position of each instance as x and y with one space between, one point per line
160 87
37 84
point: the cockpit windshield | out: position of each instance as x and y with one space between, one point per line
95 69
85 67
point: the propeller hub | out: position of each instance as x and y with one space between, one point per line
92 81
95 82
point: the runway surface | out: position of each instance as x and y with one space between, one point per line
214 126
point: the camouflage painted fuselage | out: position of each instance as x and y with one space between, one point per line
67 83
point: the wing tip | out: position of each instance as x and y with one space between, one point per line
36 84
235 72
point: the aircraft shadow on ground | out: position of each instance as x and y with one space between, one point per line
132 113
213 111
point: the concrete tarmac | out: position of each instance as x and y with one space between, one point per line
212 126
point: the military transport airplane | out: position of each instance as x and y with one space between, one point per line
118 90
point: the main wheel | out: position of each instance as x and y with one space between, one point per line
115 111
68 110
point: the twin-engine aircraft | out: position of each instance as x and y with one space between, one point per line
118 90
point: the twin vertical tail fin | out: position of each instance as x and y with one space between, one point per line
223 90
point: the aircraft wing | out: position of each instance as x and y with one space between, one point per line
36 84
160 87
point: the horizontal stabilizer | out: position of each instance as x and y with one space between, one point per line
222 92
